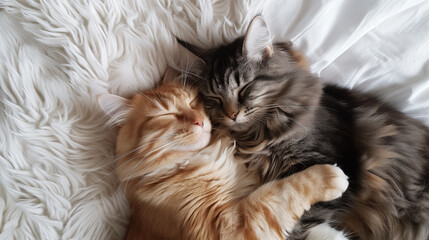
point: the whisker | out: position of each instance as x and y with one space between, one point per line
128 160
128 178
160 147
295 106
150 164
140 147
225 133
144 95
188 72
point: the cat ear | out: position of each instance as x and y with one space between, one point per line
190 57
171 75
115 107
257 43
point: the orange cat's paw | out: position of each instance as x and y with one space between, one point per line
331 181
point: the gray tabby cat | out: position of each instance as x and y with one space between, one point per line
284 120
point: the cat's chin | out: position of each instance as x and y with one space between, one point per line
202 141
239 127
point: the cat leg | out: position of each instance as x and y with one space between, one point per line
325 232
273 209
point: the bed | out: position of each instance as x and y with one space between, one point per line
56 152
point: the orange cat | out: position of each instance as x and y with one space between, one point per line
181 185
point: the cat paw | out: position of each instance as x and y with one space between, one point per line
331 182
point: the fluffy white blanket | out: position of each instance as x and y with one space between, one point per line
56 178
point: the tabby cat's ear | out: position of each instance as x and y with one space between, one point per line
171 76
190 57
257 43
115 107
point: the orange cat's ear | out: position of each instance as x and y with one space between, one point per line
258 42
171 75
115 107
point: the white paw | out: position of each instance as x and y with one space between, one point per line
338 183
331 181
325 232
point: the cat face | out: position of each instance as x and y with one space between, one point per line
252 80
165 120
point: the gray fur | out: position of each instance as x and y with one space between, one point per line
293 121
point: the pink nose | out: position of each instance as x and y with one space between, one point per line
193 117
233 116
199 122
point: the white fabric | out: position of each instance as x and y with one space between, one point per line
56 178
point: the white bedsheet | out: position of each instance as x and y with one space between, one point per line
56 178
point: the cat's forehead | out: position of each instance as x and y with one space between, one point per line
175 92
228 80
164 98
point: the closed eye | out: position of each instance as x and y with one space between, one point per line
194 102
212 102
243 90
166 114
218 100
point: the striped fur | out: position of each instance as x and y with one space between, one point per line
179 190
285 120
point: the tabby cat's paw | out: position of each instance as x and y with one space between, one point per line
331 181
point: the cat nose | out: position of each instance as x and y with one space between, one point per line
199 122
233 115
197 118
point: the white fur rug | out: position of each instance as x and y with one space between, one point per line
56 178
